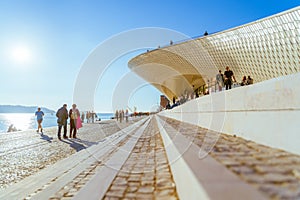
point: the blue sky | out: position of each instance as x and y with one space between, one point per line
44 43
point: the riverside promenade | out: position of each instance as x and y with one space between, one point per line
148 158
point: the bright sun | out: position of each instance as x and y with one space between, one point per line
21 55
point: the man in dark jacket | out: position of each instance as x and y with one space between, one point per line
62 117
228 78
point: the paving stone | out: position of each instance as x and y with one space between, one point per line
144 196
150 173
132 189
115 194
274 171
279 178
147 182
230 162
120 181
280 192
167 198
164 184
146 189
111 198
130 196
119 188
134 178
66 198
164 193
242 169
134 184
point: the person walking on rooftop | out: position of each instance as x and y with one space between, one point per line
220 80
229 77
39 117
73 114
62 117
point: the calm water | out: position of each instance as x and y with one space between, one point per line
25 121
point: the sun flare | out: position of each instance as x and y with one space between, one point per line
21 55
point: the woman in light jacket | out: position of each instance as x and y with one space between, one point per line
73 114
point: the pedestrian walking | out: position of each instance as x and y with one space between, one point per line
82 117
87 117
126 115
39 118
93 116
120 116
220 80
62 118
117 115
74 114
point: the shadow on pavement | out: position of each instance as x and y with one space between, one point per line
47 138
85 142
75 145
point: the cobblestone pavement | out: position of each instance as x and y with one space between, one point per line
146 173
73 187
274 172
25 153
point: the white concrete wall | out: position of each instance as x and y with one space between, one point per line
267 112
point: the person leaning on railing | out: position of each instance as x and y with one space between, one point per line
244 81
249 80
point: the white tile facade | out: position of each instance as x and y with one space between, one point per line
264 49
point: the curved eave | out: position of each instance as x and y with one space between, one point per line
263 49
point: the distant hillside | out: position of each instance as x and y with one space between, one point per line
22 109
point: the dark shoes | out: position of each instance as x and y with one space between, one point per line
65 137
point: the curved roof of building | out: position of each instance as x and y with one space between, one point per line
263 49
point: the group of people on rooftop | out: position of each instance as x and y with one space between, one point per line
225 80
228 78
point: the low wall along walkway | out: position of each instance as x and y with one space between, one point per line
267 112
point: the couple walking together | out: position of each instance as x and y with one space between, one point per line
62 119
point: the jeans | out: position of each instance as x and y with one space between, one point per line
73 128
65 129
228 84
